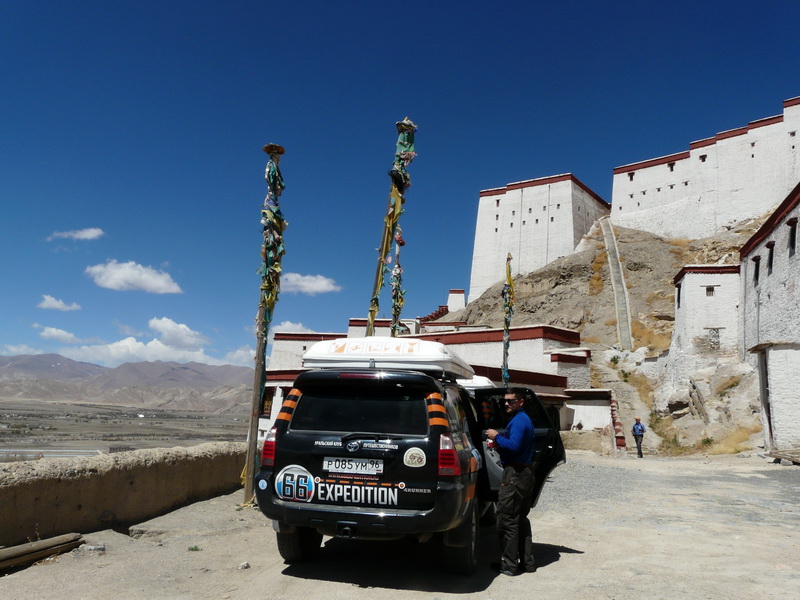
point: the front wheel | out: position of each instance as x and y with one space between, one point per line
463 559
300 545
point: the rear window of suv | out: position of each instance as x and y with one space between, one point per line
372 408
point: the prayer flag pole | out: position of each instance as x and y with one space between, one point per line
508 309
272 250
404 154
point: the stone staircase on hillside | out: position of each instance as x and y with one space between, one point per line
624 334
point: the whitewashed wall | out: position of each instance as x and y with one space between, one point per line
783 367
735 175
536 221
772 306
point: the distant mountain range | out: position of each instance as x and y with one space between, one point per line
55 367
169 385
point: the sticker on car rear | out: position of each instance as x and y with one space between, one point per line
414 457
295 483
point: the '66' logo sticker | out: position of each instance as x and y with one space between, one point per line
295 483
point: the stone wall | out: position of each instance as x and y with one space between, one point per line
49 497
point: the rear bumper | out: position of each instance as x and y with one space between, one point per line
451 507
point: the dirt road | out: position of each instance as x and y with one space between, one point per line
623 528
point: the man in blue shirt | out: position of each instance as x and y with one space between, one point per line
516 487
638 434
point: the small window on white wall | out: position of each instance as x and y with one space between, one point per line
709 290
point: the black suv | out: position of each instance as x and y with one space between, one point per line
382 454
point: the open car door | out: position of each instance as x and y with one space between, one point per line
549 450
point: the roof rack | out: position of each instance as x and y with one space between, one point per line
387 353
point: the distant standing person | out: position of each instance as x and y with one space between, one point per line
516 487
638 434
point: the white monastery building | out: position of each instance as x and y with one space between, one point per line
537 221
735 175
770 320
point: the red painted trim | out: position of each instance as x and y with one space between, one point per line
284 375
456 291
706 270
543 181
496 335
783 210
791 102
569 358
731 133
296 336
652 162
599 394
359 322
765 121
709 141
521 377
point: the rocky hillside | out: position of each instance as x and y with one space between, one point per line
575 291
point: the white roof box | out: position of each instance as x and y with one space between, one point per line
387 353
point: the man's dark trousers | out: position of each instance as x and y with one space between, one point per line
513 527
638 439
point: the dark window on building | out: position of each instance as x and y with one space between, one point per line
671 166
709 290
630 176
703 157
512 225
497 217
678 295
558 206
770 256
537 222
756 269
529 210
551 219
792 223
497 202
513 212
523 222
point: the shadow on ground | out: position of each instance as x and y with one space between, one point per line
409 565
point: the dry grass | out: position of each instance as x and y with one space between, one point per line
736 441
727 385
658 296
596 281
592 339
643 387
610 323
643 336
681 250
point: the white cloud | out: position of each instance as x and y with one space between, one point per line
58 335
132 276
287 327
241 357
308 284
91 233
56 304
177 335
132 350
11 350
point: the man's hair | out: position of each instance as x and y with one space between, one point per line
518 392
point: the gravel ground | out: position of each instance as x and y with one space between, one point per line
622 528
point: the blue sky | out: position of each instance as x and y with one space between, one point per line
131 170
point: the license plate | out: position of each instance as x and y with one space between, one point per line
362 466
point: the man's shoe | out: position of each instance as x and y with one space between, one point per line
530 569
499 568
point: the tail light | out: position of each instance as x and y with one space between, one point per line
449 464
268 451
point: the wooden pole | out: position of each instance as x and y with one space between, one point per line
404 154
271 254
